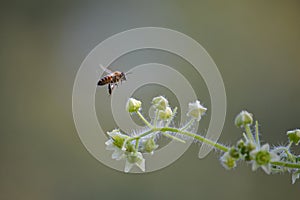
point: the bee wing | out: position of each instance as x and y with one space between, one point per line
105 69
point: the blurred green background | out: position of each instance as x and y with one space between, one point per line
255 45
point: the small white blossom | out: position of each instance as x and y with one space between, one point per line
134 158
133 105
263 157
116 144
160 103
196 110
227 161
118 153
244 118
165 114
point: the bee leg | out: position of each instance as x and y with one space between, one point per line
109 89
112 86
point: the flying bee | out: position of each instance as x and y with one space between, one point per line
111 79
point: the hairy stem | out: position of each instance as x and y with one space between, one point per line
144 120
286 164
173 137
257 134
137 144
188 125
249 134
197 137
155 118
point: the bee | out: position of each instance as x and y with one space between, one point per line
112 79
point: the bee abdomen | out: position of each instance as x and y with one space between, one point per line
105 80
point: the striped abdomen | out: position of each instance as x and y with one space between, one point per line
105 80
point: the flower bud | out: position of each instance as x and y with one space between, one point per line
166 114
160 103
240 144
243 119
196 110
133 105
294 136
150 145
234 153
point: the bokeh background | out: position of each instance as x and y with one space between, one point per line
255 45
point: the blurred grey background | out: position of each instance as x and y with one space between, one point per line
255 45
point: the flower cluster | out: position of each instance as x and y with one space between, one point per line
123 149
249 149
132 147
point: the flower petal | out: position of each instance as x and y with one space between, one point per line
265 147
255 166
196 110
117 154
128 166
274 156
141 164
266 168
295 176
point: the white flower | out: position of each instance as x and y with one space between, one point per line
116 143
133 105
196 110
244 118
227 161
160 103
165 114
263 157
134 158
118 153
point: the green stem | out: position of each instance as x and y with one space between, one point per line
143 119
137 144
257 134
193 135
289 145
188 125
155 130
143 135
155 118
125 142
249 134
197 137
286 164
173 137
245 137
